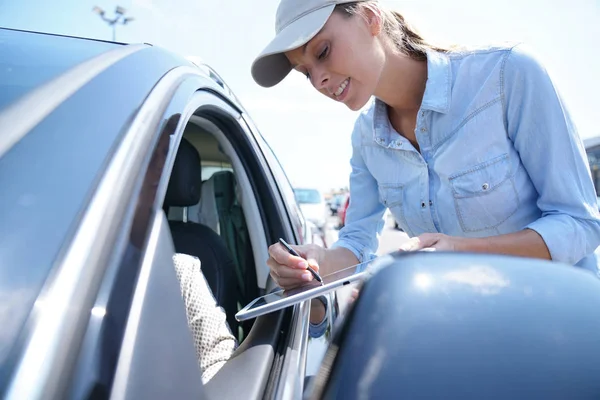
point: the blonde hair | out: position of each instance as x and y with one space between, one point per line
404 37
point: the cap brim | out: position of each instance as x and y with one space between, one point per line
271 66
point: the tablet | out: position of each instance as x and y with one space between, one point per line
285 298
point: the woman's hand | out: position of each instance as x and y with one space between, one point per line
290 271
437 241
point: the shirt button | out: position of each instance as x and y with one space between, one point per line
430 203
485 186
423 205
423 129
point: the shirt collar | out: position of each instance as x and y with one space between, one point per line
437 95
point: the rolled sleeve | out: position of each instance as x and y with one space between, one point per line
318 330
553 154
364 217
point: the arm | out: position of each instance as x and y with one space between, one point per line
544 136
364 217
358 240
553 155
212 338
525 243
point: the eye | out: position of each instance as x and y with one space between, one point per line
307 75
323 53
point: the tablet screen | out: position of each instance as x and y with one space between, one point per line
330 279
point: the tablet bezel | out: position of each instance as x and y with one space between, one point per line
249 312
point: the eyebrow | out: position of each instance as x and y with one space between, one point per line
306 45
303 53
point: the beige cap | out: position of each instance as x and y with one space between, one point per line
297 22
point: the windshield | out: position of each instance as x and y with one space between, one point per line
307 196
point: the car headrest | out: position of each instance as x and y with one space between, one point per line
468 326
186 177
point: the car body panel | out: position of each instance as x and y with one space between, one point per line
452 325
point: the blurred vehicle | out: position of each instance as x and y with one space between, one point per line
592 148
342 212
112 158
313 205
336 202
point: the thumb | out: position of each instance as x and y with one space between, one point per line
427 240
312 254
411 244
313 264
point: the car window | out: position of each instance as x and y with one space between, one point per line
280 176
208 171
307 196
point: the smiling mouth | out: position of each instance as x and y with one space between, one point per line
342 88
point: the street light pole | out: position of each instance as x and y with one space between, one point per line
119 18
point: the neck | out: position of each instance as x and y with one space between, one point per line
402 83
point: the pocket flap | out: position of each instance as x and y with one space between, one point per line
390 195
482 178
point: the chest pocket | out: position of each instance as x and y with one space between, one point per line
484 195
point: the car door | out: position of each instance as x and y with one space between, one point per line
277 343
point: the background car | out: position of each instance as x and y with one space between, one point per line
313 205
112 158
342 212
336 202
592 149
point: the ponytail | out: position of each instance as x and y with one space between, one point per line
405 38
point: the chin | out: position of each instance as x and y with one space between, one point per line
356 105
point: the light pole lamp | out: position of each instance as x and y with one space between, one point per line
119 18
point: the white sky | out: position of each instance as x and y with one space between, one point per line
310 133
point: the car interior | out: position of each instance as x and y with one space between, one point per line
208 219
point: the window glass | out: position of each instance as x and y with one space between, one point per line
208 171
307 196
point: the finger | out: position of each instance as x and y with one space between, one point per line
286 283
273 265
411 244
289 283
282 256
353 295
313 264
428 240
293 273
274 276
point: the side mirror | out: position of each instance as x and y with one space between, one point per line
468 326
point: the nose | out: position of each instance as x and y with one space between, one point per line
319 78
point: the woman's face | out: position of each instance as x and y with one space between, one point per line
344 61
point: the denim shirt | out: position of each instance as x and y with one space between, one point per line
498 154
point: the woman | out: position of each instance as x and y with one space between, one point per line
471 150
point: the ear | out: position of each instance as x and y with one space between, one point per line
374 19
